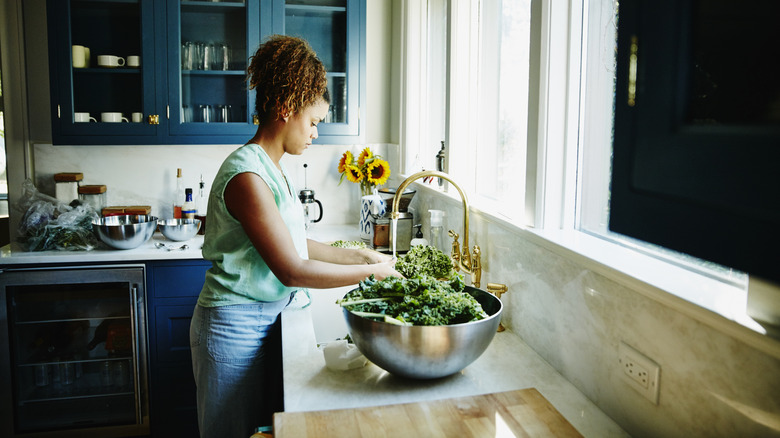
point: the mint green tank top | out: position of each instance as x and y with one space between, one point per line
238 274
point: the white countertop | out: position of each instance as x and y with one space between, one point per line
508 364
14 253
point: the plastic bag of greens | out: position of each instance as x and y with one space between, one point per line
49 224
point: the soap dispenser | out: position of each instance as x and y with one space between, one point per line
418 238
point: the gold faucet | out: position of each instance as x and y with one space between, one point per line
465 261
498 289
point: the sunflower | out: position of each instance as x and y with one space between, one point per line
369 170
377 172
365 155
354 174
345 160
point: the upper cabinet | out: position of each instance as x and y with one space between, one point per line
127 72
336 30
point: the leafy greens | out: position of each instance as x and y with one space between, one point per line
420 300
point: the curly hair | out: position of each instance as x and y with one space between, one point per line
287 76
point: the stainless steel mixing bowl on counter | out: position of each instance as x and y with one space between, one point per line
179 230
426 352
125 231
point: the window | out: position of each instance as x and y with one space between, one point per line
598 83
469 88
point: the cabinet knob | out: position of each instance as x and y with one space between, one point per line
154 119
255 120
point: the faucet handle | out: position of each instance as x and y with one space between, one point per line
498 289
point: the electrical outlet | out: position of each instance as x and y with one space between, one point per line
639 371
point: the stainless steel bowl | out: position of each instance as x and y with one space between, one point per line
125 232
426 352
179 229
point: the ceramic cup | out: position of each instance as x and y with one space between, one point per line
137 117
83 117
80 57
112 117
134 61
110 61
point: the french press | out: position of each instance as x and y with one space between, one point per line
307 199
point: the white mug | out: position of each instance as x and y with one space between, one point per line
137 117
110 61
133 61
80 57
112 117
83 117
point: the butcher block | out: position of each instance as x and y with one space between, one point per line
521 413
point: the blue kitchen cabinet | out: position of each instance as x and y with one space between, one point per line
336 30
173 288
81 85
186 99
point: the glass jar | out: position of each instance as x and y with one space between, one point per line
94 196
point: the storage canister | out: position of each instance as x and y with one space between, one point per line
66 186
94 196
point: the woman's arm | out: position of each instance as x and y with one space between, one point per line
249 199
345 256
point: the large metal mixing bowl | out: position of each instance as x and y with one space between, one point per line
125 231
426 352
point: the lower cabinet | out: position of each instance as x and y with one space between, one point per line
173 288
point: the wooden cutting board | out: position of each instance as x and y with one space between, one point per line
522 413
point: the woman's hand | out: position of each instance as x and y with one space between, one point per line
370 256
384 269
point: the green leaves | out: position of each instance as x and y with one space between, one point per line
421 300
425 260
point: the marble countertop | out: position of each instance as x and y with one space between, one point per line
507 364
14 253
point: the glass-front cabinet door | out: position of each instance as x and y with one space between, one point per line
103 71
208 46
336 31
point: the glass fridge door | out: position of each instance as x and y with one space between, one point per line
74 349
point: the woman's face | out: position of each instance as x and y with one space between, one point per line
302 127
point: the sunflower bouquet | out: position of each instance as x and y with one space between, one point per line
368 170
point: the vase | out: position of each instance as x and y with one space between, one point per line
371 207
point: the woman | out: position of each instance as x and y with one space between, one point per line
257 243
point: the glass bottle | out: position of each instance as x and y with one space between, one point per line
188 209
202 204
178 195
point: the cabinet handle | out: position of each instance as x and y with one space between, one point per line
632 60
154 119
255 120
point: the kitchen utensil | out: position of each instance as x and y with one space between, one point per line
125 231
406 198
179 229
426 352
307 200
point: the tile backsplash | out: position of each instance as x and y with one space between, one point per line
146 175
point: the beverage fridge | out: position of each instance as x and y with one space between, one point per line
73 352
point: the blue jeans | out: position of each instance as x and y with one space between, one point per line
237 362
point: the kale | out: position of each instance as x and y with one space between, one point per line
420 300
352 244
425 260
